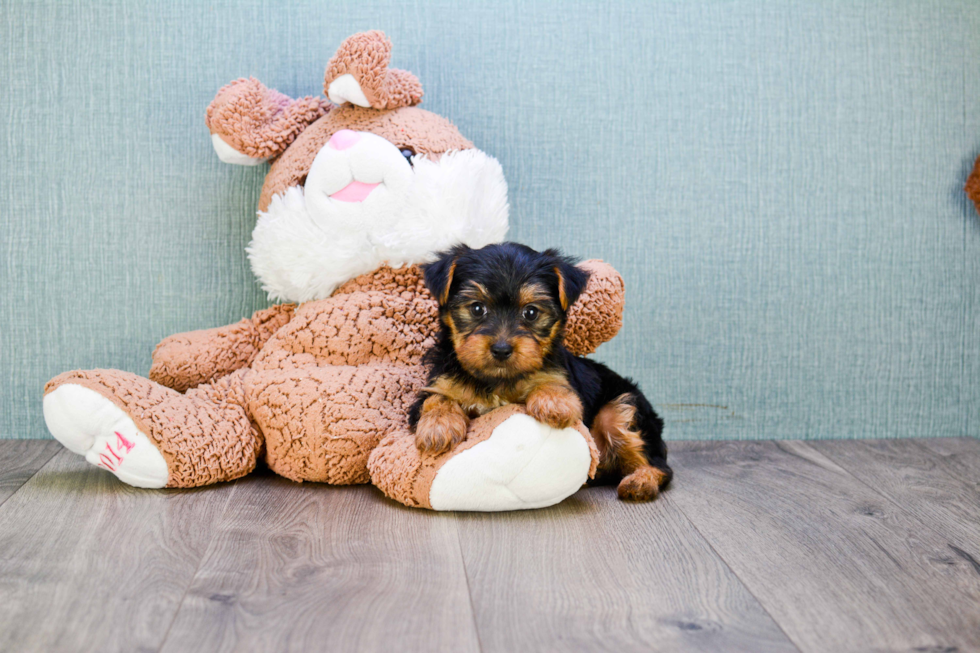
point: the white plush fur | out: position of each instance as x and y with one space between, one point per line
228 154
307 243
523 464
92 426
346 89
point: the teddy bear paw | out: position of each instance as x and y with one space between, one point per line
94 427
523 464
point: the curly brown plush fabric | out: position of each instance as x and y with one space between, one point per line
336 377
972 187
322 425
205 436
217 351
409 127
408 279
366 56
263 123
589 325
354 329
258 121
387 315
403 474
321 391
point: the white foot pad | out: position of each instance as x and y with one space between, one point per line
523 464
92 426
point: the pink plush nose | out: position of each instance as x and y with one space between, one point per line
343 139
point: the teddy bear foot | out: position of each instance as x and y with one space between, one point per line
509 461
92 426
523 464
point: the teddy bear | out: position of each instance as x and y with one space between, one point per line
362 190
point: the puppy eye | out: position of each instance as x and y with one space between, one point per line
530 313
408 154
478 310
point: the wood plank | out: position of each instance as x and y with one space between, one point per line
922 482
20 460
839 566
595 573
960 456
313 567
90 564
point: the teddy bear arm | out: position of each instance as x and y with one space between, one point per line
597 315
187 360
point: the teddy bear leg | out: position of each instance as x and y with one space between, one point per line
151 436
91 425
509 461
321 425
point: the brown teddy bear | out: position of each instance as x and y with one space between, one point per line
358 195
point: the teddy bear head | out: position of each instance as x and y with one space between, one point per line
364 179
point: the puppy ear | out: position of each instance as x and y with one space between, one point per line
571 279
439 273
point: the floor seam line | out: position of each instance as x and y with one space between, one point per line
197 569
469 588
735 574
887 497
28 479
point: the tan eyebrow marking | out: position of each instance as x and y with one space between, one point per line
474 290
534 293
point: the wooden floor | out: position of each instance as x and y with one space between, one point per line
758 546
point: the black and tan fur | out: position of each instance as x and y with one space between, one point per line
503 310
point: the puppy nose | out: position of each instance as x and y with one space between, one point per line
501 350
343 139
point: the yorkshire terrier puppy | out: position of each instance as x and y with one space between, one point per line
503 310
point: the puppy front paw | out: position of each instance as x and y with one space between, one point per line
642 485
557 406
440 429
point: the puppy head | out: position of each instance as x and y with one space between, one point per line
504 305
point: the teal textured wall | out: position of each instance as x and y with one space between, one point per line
779 183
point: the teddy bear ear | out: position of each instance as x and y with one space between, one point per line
251 124
597 315
359 74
